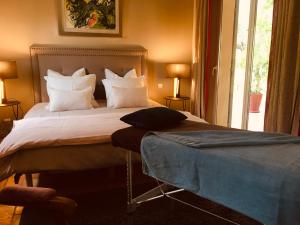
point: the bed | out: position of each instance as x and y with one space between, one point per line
79 154
254 173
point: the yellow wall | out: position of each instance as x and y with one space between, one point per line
164 27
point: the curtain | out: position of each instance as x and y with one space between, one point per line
283 93
206 38
199 57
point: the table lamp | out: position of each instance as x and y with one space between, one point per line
178 71
8 70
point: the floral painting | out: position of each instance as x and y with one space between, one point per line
91 17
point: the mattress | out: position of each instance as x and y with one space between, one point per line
67 157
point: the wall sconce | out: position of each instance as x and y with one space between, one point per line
178 71
8 70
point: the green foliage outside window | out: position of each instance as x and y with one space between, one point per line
261 47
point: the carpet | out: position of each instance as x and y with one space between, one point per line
108 207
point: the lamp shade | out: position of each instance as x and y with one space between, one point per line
178 70
8 70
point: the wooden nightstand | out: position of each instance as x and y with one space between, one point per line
183 99
14 105
5 128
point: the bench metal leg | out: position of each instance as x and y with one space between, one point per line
157 192
130 207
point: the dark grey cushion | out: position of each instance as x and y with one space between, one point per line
156 118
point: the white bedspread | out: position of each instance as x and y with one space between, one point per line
66 128
56 131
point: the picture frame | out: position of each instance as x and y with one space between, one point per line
90 18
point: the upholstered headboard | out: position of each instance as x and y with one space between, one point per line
68 59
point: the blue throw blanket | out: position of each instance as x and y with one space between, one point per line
254 173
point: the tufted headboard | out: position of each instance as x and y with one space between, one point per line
68 59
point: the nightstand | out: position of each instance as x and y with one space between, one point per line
182 99
14 105
5 128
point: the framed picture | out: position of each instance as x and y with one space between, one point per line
90 17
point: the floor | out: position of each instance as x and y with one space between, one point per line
256 120
89 210
9 215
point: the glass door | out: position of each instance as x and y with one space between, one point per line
250 63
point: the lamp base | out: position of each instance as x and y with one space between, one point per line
176 87
3 94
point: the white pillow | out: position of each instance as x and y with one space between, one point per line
111 75
78 73
129 97
67 83
124 83
70 100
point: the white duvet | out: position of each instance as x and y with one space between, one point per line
40 129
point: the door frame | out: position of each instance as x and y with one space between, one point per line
249 62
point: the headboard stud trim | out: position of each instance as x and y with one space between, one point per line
139 55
